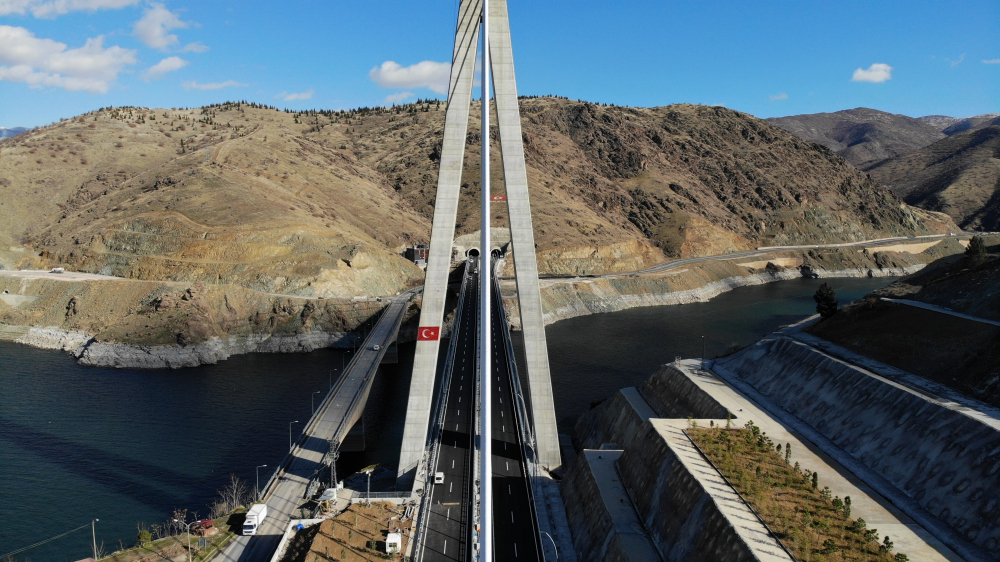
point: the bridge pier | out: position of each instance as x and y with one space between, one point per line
354 442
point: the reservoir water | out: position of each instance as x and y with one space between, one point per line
129 446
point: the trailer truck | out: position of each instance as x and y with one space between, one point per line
255 518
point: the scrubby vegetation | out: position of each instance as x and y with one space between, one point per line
809 521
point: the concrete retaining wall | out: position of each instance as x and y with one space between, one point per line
594 536
677 511
668 393
947 461
673 395
616 420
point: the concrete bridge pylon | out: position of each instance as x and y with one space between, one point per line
443 232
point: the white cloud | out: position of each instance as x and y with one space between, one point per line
166 65
192 85
878 72
955 63
307 95
779 96
44 62
53 8
426 74
396 98
196 47
991 61
154 26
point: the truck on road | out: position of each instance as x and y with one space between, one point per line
255 517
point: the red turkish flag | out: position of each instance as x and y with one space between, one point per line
428 334
498 198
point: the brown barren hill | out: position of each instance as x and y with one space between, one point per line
866 136
322 203
958 175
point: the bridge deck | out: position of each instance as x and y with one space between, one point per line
343 406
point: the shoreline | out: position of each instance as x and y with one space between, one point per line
89 352
616 303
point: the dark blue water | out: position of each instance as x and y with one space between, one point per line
124 446
593 356
128 446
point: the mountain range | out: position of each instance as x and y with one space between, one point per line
11 132
936 162
323 202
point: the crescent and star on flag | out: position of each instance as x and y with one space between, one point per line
428 333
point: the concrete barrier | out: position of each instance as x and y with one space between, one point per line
941 454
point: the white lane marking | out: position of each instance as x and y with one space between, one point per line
515 544
453 463
448 515
508 465
512 520
450 484
445 547
508 490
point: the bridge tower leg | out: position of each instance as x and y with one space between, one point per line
522 235
443 232
456 124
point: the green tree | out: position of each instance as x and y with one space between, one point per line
826 301
886 545
977 248
847 506
829 547
143 538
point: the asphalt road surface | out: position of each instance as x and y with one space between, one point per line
448 533
515 529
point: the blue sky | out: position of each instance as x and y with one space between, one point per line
59 58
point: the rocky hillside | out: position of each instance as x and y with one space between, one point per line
322 203
867 136
958 175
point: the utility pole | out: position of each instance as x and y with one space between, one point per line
93 536
256 488
485 269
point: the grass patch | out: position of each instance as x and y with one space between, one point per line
175 548
812 524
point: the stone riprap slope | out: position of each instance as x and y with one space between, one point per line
865 136
958 175
942 455
322 203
